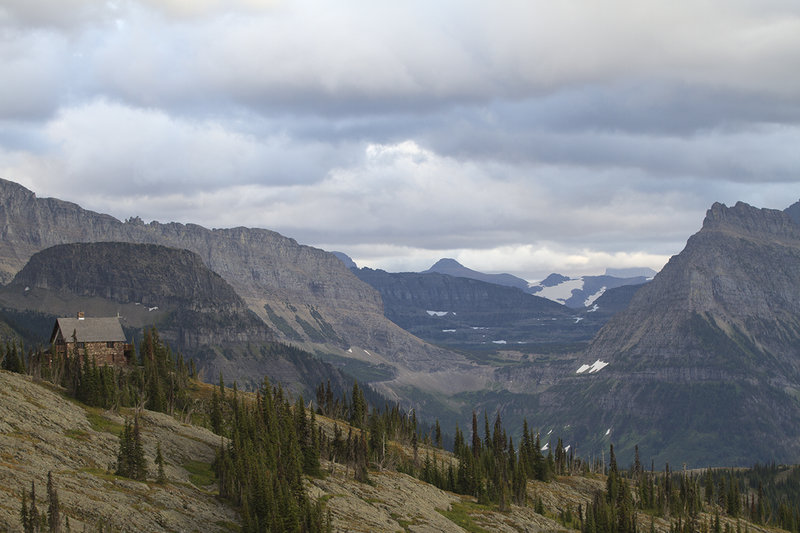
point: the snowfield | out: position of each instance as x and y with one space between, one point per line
590 300
561 292
597 366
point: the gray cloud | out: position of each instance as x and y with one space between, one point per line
519 136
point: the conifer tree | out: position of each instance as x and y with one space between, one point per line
476 439
358 407
139 462
53 511
24 513
162 478
458 442
216 413
33 513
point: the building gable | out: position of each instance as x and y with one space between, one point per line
93 329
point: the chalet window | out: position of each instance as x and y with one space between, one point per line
110 344
81 345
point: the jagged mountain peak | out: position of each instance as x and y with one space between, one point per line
346 259
750 221
718 329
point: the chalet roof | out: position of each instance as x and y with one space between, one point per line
100 329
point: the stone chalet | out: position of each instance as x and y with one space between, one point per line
101 338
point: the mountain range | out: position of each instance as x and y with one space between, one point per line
700 364
304 295
466 313
575 293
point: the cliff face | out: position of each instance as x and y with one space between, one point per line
147 274
147 284
304 294
709 351
737 278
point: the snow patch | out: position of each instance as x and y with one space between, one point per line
597 366
590 300
349 350
578 319
594 308
546 447
436 313
500 342
152 308
567 448
608 432
562 292
448 331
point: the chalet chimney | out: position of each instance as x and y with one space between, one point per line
80 315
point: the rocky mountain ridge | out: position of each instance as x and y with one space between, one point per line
712 344
575 293
305 295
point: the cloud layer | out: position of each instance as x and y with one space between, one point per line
524 137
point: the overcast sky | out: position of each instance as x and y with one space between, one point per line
524 137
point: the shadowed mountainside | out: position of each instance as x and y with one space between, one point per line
194 309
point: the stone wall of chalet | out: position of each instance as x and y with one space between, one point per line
109 353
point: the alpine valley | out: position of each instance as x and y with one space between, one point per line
698 364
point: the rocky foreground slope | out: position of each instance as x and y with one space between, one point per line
42 431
